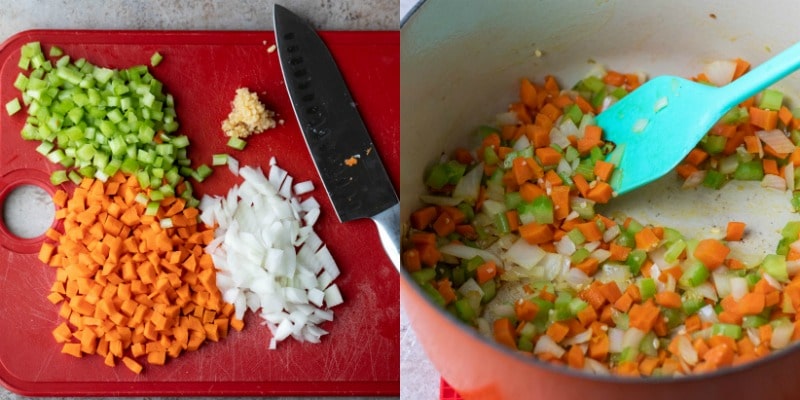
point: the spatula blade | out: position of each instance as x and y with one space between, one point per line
658 123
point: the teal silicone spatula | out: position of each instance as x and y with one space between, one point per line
658 124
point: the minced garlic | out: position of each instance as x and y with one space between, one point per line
248 116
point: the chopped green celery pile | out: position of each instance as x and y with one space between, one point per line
96 121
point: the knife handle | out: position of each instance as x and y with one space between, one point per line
388 223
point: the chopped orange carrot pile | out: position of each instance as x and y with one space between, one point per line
129 289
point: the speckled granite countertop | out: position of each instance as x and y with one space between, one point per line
20 15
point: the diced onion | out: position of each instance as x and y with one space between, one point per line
615 337
466 252
660 104
781 335
507 118
707 314
776 139
640 125
582 337
303 188
720 72
738 287
524 254
694 179
686 351
774 182
268 257
788 175
577 278
547 345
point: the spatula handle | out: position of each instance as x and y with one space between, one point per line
762 76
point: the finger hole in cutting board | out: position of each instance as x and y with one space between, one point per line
28 210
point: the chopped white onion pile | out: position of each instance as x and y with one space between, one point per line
268 256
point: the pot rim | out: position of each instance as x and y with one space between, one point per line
791 350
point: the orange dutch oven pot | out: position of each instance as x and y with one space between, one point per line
461 61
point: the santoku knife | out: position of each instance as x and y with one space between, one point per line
350 168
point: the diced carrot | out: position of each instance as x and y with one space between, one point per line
603 170
668 299
751 303
557 331
785 115
411 260
735 231
614 78
696 157
770 166
486 272
444 225
548 156
618 252
527 93
610 291
445 288
623 303
600 193
711 252
118 270
535 233
590 231
589 266
581 184
420 219
643 316
575 357
598 347
522 170
504 332
593 295
646 239
526 310
587 315
764 119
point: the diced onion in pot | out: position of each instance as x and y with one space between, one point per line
774 182
720 72
694 179
781 335
546 345
776 139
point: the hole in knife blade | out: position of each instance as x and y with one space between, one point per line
291 49
296 60
308 97
304 85
300 73
288 35
313 110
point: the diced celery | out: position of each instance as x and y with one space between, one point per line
56 51
694 275
58 177
714 179
730 330
771 99
775 266
749 171
13 106
424 275
647 288
155 59
635 260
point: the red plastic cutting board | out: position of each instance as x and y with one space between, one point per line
202 70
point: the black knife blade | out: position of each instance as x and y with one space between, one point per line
343 152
